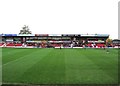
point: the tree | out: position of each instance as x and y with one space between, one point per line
109 42
25 30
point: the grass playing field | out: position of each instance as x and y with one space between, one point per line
55 66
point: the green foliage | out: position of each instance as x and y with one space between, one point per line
108 42
25 30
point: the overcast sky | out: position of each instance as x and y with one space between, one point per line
60 16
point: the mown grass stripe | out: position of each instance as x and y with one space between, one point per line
16 68
61 66
49 69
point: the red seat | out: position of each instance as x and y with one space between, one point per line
1 44
18 44
89 45
10 44
100 45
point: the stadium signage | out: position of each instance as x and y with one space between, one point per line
102 35
8 34
54 34
95 41
33 41
41 34
71 34
9 40
105 35
1 34
55 41
68 35
67 41
77 34
25 35
87 34
59 41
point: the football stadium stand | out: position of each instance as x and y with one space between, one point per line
54 40
116 43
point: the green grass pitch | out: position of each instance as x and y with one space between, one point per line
55 66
